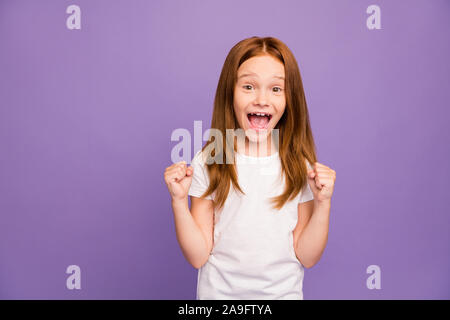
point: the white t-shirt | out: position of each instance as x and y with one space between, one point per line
253 255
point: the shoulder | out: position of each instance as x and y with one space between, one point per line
200 177
308 164
199 163
199 159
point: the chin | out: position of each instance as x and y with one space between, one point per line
257 136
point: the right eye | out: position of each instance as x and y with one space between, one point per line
247 86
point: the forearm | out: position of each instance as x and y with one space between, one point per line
189 235
313 238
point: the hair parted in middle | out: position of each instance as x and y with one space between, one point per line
296 141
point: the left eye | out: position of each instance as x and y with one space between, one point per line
279 89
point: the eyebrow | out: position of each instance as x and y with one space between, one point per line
251 74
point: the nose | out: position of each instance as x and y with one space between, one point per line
261 98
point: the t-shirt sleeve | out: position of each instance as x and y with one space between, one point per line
200 180
306 194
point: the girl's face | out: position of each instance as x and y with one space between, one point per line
259 96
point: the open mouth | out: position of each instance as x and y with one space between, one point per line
259 120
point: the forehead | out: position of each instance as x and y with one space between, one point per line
265 67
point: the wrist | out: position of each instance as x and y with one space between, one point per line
322 203
180 202
322 211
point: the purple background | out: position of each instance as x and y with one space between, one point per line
86 118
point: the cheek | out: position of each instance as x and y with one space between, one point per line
280 112
281 106
239 104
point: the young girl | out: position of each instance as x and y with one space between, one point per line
257 217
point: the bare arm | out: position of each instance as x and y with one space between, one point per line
311 232
193 227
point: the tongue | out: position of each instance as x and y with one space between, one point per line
259 121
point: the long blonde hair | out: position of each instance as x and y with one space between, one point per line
296 141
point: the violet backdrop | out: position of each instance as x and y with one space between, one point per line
86 118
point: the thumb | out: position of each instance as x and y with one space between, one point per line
312 181
189 171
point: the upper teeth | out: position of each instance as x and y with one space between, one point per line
259 114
